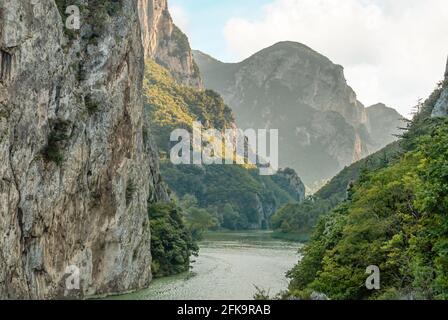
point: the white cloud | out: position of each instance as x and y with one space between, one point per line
180 17
393 51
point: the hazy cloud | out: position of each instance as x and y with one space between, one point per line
180 17
393 51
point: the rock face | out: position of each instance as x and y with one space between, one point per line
76 163
295 183
265 207
166 43
446 69
290 87
384 123
441 106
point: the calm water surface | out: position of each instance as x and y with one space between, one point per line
229 266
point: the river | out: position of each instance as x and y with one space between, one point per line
228 267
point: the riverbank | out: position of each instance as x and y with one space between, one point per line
294 237
230 266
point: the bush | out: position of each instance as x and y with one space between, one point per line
53 150
91 105
130 191
171 241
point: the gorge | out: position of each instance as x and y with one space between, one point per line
79 160
85 121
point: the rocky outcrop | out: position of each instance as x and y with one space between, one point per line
295 183
266 207
290 87
76 163
166 43
441 106
446 70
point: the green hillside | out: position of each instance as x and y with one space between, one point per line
173 106
299 219
232 196
394 217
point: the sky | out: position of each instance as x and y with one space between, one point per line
392 51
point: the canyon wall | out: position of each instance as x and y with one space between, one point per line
166 43
77 166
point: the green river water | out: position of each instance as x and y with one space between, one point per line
228 267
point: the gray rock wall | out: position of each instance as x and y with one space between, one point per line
76 163
166 43
441 106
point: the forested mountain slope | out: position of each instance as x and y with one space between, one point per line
300 218
235 197
393 217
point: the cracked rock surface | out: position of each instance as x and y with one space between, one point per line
77 166
441 106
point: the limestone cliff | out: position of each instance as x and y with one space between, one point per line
166 43
441 106
295 183
76 163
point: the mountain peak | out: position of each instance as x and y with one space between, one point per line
382 107
290 49
292 87
290 45
378 105
198 54
384 124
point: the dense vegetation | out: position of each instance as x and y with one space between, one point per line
395 217
236 197
171 240
224 196
299 219
173 106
